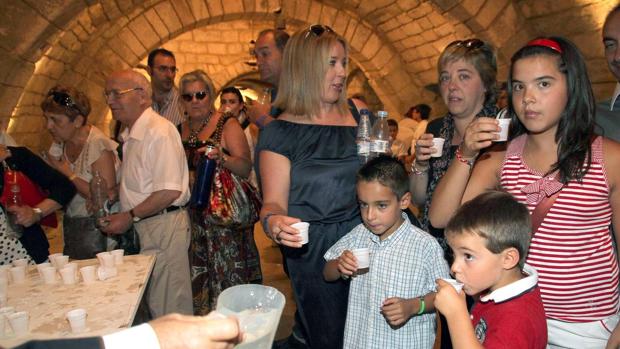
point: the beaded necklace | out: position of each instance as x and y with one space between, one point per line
193 134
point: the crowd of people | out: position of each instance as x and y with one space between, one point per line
527 226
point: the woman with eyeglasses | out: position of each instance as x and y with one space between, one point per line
84 151
221 256
467 71
307 165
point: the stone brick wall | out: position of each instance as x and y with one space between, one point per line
395 43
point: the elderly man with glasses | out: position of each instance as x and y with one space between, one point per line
162 69
153 191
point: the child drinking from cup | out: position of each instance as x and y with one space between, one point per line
490 237
390 303
568 177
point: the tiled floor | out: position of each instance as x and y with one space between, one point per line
271 263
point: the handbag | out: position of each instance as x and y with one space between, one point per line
31 193
234 201
541 210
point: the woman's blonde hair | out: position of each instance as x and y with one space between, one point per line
304 65
198 75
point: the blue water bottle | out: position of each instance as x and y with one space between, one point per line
201 192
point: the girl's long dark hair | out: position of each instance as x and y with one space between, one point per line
576 126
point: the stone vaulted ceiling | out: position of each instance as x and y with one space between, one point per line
394 43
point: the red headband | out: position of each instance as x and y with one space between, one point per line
546 43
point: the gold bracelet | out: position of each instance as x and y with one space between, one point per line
72 177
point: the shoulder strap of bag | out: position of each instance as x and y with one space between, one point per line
541 210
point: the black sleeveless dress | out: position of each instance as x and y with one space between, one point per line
322 192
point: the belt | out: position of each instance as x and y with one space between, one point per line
164 211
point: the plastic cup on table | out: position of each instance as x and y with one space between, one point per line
19 322
363 257
40 266
89 274
104 273
49 275
4 313
106 259
303 228
22 262
60 261
438 145
4 288
77 320
52 258
118 256
68 276
73 266
18 274
4 272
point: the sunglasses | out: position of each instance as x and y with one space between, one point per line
188 97
63 99
318 30
470 44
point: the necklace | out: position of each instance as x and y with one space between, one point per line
193 134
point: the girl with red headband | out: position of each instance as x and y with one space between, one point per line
569 179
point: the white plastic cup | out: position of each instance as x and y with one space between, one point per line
60 261
77 320
4 289
22 262
104 273
438 145
68 276
52 258
40 266
504 124
19 322
106 259
4 272
56 150
89 274
73 266
458 286
118 256
18 274
4 313
49 275
303 228
363 257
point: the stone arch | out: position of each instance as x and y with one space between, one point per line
394 43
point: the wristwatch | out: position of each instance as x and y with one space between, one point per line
135 218
39 212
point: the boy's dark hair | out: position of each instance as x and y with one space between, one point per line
576 126
388 172
497 217
424 110
158 51
392 122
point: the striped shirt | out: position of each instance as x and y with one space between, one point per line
572 249
172 108
405 265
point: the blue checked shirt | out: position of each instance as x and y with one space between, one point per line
404 265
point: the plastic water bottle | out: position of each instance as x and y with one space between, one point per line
98 197
363 136
380 135
205 170
15 199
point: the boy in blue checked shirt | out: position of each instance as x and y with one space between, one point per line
390 303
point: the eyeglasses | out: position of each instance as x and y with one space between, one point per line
162 69
200 95
318 30
63 99
470 44
117 93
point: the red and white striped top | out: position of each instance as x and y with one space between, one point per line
572 249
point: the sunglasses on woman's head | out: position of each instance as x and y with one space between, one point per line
62 99
317 30
188 97
470 44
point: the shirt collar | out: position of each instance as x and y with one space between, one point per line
139 128
614 97
514 289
